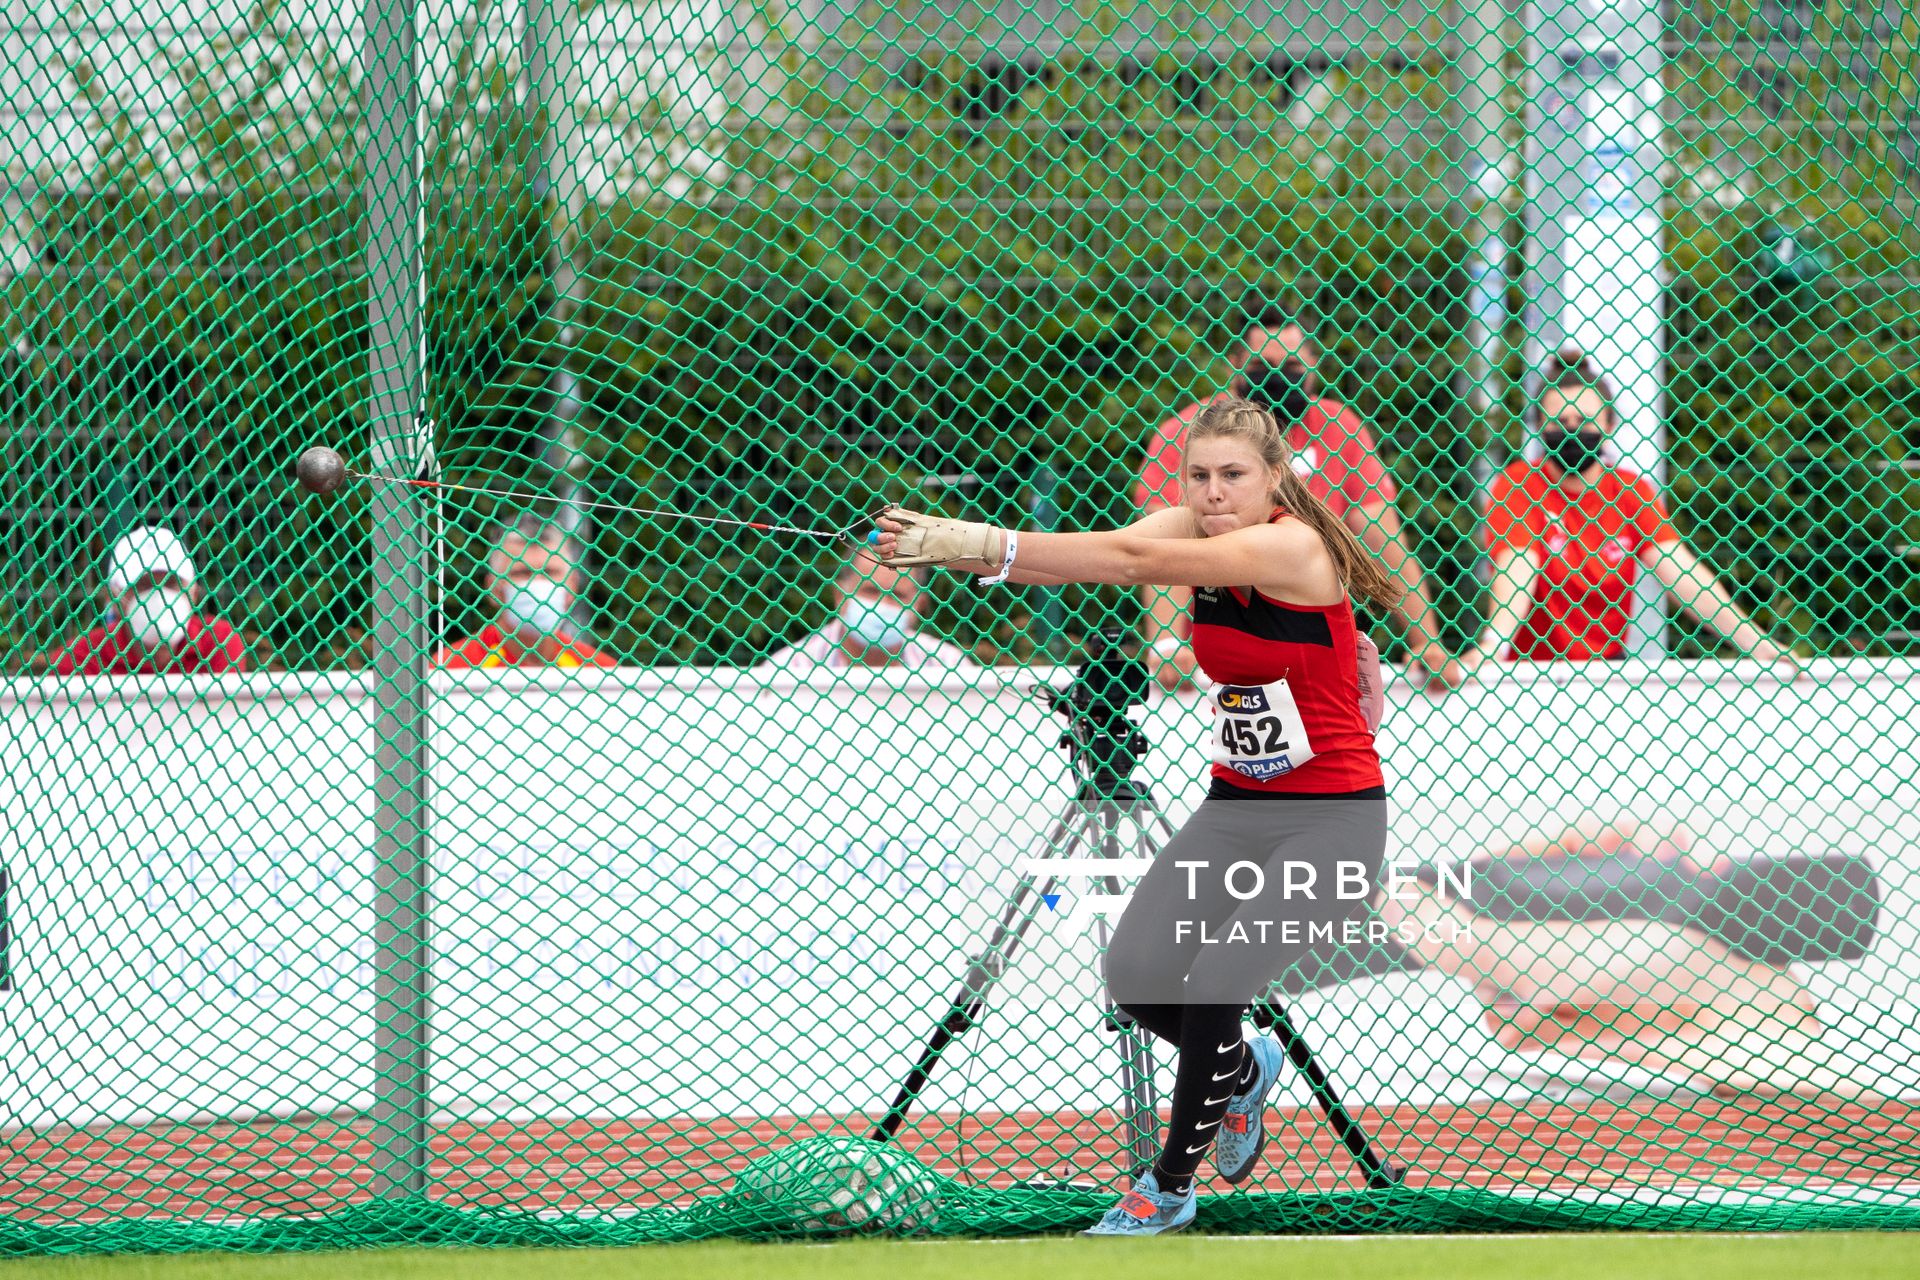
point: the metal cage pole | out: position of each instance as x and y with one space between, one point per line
1484 29
550 91
1594 225
391 203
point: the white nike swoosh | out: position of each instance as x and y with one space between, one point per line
1208 1125
1196 1150
1229 1048
1227 1074
1210 1101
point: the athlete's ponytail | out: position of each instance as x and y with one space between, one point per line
1237 419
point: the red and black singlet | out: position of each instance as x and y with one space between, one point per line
1245 641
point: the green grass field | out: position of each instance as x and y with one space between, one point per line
1855 1256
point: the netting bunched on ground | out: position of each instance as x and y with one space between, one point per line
417 863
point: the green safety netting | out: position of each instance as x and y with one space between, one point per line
510 859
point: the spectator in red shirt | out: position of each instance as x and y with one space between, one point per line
151 626
1569 533
1334 453
533 574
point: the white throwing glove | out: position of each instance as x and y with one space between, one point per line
925 539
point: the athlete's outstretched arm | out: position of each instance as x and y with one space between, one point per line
1288 556
1164 523
1260 553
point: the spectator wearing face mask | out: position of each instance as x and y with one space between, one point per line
534 576
1332 450
152 626
876 623
1569 534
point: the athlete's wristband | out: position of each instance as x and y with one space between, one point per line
1006 560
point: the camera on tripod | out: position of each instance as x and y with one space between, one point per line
1102 740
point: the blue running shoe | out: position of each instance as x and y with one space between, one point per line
1243 1131
1147 1211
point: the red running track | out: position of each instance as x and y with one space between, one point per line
307 1166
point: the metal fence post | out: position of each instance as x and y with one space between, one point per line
391 203
1595 228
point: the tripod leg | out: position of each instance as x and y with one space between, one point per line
1380 1171
983 971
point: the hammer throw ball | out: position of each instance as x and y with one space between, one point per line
321 470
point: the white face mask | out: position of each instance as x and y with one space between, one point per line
540 604
160 616
884 624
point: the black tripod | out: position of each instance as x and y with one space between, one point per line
1112 817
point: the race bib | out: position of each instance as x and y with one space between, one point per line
1257 730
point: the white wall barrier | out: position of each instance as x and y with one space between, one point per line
680 892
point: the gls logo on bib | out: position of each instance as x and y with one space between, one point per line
1242 699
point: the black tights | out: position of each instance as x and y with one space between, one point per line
1161 969
1214 1064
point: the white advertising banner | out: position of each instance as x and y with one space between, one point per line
692 892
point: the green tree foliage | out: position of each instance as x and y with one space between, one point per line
969 282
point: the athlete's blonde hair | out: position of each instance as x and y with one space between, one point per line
1234 418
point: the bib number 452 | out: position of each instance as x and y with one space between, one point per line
1258 737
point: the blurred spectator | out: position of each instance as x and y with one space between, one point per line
877 622
1568 534
151 626
1277 362
534 576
